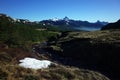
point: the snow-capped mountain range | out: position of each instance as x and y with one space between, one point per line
64 23
75 24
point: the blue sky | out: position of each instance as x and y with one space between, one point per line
36 10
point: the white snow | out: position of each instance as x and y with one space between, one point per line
34 63
55 19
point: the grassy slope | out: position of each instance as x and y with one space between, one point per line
9 69
97 50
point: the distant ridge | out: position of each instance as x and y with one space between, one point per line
64 23
73 24
115 25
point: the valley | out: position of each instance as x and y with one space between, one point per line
75 54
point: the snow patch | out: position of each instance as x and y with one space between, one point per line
34 63
55 19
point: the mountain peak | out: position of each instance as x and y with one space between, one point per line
1 14
66 18
101 22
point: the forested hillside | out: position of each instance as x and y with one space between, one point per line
18 34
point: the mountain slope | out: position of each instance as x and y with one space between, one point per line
115 25
97 50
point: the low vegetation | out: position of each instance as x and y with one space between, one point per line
10 70
97 50
14 72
